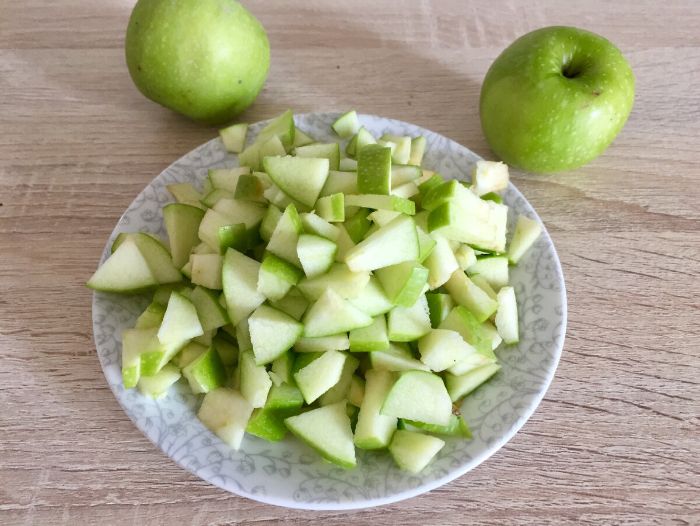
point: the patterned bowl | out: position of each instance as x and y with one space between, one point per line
288 473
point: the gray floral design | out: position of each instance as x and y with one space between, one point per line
289 473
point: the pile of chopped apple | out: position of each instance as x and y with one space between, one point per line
336 290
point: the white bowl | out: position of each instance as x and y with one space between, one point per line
288 473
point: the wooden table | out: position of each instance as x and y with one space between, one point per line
616 440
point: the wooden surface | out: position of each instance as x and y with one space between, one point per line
616 439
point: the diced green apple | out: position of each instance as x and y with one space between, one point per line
228 352
267 424
441 264
406 324
233 137
316 254
240 283
336 342
225 412
403 283
393 243
465 256
405 191
346 125
404 173
356 393
456 428
182 224
421 396
284 396
526 233
417 151
282 127
494 269
347 164
374 169
269 222
210 312
206 372
282 368
332 314
151 317
392 203
460 386
340 183
302 139
272 332
413 451
364 138
216 195
330 151
466 293
440 306
374 429
157 386
226 178
484 285
327 429
371 338
237 211
468 326
180 322
139 262
507 316
396 358
185 193
332 208
255 382
284 239
402 152
301 178
237 237
313 224
277 276
206 270
441 349
340 278
372 299
152 354
320 375
339 392
489 176
188 354
250 188
468 219
294 304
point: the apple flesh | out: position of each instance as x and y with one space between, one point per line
555 99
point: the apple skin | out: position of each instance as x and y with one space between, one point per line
206 59
555 99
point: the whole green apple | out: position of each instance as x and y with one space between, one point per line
555 99
206 59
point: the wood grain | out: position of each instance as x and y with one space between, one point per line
615 441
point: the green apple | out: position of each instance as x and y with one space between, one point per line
206 372
555 99
327 430
397 357
225 412
413 451
374 430
206 59
421 396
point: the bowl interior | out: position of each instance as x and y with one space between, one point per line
289 473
